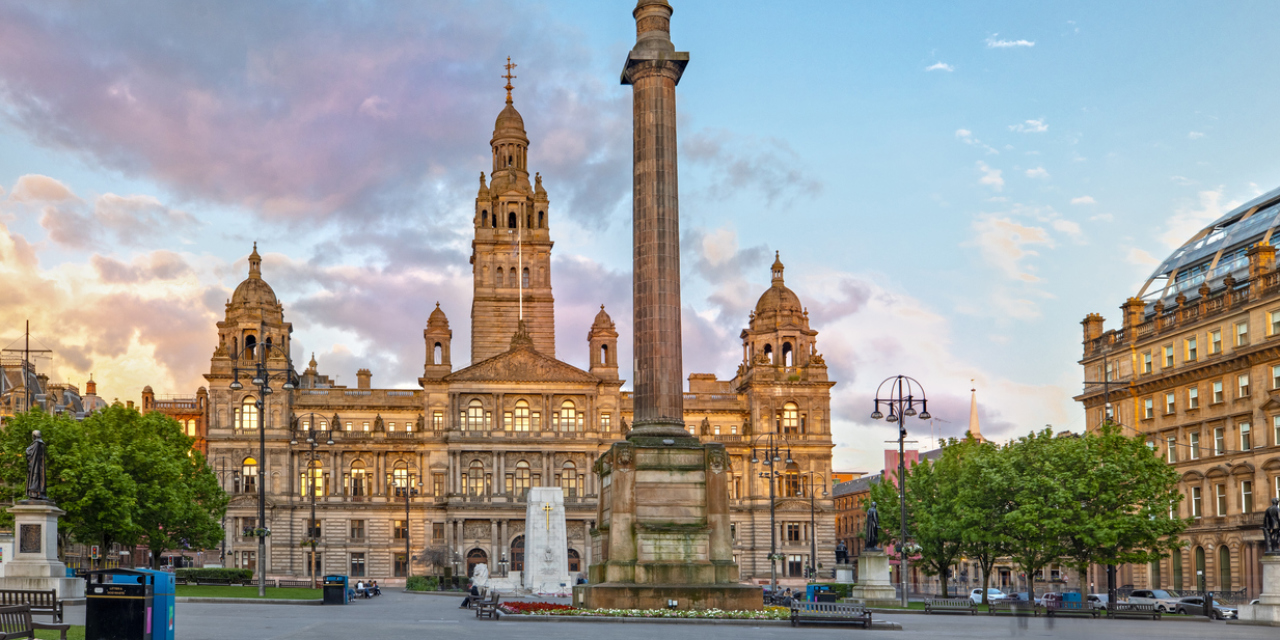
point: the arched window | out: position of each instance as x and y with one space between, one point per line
1224 568
250 343
517 554
521 481
575 561
768 353
790 418
509 159
475 557
521 414
248 413
540 220
437 354
511 220
313 480
1176 561
604 354
484 218
511 278
249 476
568 416
528 220
525 277
1156 578
501 278
788 358
400 479
359 480
475 416
475 478
1200 568
570 481
191 428
266 349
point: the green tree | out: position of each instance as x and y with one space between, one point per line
1032 475
980 506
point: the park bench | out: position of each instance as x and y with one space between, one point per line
485 595
830 612
488 606
178 581
950 605
223 582
16 622
41 602
1073 609
1013 607
295 584
1131 610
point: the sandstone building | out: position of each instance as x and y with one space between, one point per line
1196 369
470 441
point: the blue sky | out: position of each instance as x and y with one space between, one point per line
952 186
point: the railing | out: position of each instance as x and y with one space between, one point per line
358 392
401 434
400 393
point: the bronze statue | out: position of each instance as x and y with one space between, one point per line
1271 528
842 553
35 468
873 528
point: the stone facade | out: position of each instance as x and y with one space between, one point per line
471 440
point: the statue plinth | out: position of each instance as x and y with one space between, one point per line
35 564
874 588
1267 611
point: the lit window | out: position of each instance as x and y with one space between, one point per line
1168 356
568 416
475 416
437 420
1193 443
1246 496
1219 441
715 429
1242 334
1242 385
1148 408
366 426
606 420
521 416
248 414
1215 341
790 418
1217 392
570 481
1193 397
1246 437
1146 362
1191 349
1170 402
733 429
249 476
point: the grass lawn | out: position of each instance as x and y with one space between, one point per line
76 633
219 591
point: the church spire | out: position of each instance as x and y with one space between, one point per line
974 429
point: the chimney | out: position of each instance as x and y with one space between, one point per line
1092 327
362 378
1133 312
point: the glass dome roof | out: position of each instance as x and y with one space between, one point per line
1217 250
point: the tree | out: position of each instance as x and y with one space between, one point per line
980 507
437 556
1032 474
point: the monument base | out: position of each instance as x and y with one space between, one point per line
873 587
35 562
1267 611
844 573
727 597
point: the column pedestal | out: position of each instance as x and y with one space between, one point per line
1267 611
874 588
35 564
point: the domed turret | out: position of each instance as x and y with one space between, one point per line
603 339
437 320
778 303
437 335
254 290
779 333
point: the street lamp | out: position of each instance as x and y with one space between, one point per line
901 395
262 375
813 527
772 452
407 491
222 481
313 532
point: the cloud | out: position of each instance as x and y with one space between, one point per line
129 220
1102 217
990 177
737 164
37 188
1030 126
1182 180
966 136
1188 219
1003 244
158 265
940 66
993 43
1195 135
1082 200
1141 258
1038 172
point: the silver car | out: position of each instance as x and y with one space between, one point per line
1164 601
1194 606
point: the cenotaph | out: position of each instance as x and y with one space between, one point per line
546 546
662 536
35 564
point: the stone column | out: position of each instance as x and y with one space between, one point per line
495 549
653 69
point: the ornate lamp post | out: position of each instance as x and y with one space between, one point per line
900 395
313 532
262 375
772 450
813 527
235 482
407 491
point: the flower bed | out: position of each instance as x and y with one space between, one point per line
549 609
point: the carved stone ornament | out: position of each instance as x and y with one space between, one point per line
377 422
746 428
475 529
623 457
521 365
600 467
716 458
421 422
705 427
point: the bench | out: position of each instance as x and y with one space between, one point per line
1072 608
221 582
950 605
488 607
1131 610
16 622
295 584
1013 607
830 612
41 602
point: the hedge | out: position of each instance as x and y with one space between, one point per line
215 573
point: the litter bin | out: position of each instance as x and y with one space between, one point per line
335 589
162 612
817 593
118 610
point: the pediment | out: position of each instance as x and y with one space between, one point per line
1272 403
794 505
521 364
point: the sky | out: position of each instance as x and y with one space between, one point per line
951 186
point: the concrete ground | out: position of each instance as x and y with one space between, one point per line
397 615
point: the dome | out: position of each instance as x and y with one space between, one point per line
509 124
778 296
437 320
603 321
254 290
1216 251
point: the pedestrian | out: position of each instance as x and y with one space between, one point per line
473 594
377 591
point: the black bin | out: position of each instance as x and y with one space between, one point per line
826 596
118 611
335 589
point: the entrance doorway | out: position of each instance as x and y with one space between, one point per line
575 563
517 554
475 557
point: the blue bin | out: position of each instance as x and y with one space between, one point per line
335 590
811 591
162 607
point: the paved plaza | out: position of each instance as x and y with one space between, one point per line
397 616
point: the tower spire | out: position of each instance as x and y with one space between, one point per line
974 429
510 65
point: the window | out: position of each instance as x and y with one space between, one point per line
1196 511
1193 397
402 565
248 414
1193 442
475 416
1246 496
793 532
1109 371
349 425
506 420
733 429
313 528
357 529
521 416
357 565
437 531
570 419
1170 402
1219 441
1148 408
1275 321
1242 385
313 480
1220 491
1168 356
1146 362
570 481
1246 438
1191 349
437 484
606 422
1275 431
524 277
400 529
1215 341
366 425
795 566
1171 454
1242 334
1224 567
359 480
521 480
315 564
1275 376
475 478
391 426
249 476
437 420
715 430
1217 391
791 482
790 418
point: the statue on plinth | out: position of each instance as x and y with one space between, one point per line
842 553
1271 527
873 528
35 468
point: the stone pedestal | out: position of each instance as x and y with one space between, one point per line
844 573
35 563
1267 611
873 586
546 547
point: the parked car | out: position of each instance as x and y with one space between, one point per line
993 595
1097 600
1021 596
1163 600
1194 606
